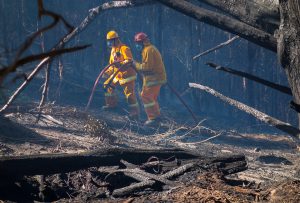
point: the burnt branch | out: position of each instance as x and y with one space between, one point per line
60 163
28 42
226 165
35 71
284 127
281 88
55 16
46 83
53 53
295 106
216 47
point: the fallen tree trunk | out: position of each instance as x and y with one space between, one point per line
224 22
61 163
256 14
275 86
285 127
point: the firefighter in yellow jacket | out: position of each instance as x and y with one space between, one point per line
125 77
154 76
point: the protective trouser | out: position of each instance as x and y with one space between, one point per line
149 97
111 98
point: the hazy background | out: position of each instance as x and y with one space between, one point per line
178 37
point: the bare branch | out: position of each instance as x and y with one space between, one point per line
53 53
216 47
46 83
28 42
43 11
35 71
267 83
93 13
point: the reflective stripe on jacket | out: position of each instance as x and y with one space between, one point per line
121 53
152 66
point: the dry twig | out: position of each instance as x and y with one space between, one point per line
216 47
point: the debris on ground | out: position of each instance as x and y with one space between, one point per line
271 172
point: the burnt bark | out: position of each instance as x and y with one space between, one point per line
61 163
224 22
256 14
289 44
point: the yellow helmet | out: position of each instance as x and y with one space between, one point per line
112 35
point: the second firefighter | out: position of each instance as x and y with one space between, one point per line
153 71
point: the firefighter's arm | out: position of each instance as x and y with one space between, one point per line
127 55
108 72
148 61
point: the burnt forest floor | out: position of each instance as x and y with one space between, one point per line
273 173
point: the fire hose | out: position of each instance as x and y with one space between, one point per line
123 66
173 90
96 83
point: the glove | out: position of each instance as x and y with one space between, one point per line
105 76
137 65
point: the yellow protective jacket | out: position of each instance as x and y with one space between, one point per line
121 53
152 66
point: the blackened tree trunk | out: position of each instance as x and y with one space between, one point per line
289 44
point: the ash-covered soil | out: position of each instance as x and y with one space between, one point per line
273 173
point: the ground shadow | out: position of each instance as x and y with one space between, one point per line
11 132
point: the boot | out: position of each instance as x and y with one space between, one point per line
107 108
152 122
134 117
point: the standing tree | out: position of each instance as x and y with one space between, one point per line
289 44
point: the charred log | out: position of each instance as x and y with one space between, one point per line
224 165
62 163
154 180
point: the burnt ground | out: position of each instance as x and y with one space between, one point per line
273 173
